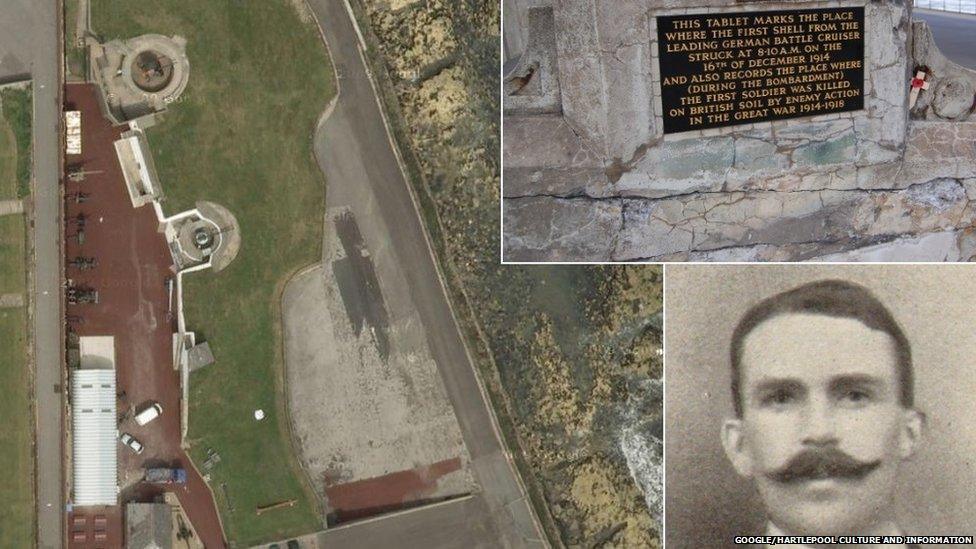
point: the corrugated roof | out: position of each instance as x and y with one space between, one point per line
94 436
72 121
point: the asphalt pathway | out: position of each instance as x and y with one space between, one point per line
361 171
954 34
29 43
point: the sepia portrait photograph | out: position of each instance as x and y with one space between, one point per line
819 401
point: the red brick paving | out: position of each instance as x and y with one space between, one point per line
95 527
133 265
395 491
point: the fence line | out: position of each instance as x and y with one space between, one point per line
958 6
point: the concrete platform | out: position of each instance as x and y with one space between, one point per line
376 434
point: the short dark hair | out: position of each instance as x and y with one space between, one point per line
837 298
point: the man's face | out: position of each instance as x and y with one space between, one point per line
822 429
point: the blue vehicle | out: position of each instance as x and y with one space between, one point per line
165 476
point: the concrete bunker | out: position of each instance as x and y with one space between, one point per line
141 75
151 71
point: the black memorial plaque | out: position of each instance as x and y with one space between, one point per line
725 69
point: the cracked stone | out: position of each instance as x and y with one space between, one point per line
556 229
953 98
791 189
726 220
941 71
832 151
800 134
938 194
679 167
937 246
562 182
755 155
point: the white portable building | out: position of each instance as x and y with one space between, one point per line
94 424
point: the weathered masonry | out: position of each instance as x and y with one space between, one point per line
733 130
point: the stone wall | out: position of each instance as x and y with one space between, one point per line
592 176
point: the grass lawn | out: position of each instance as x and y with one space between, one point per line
8 162
15 142
12 269
17 488
241 135
74 54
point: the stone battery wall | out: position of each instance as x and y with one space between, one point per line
589 174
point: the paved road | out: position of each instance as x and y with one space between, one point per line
29 40
953 33
361 172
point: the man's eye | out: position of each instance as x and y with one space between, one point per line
778 398
856 396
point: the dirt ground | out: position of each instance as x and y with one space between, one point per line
374 435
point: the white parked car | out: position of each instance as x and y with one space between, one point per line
132 443
149 414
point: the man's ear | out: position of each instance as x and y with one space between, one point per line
913 423
733 440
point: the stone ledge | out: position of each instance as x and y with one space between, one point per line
830 221
558 229
796 157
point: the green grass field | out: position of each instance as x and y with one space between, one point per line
74 55
8 162
241 135
12 239
17 487
15 142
